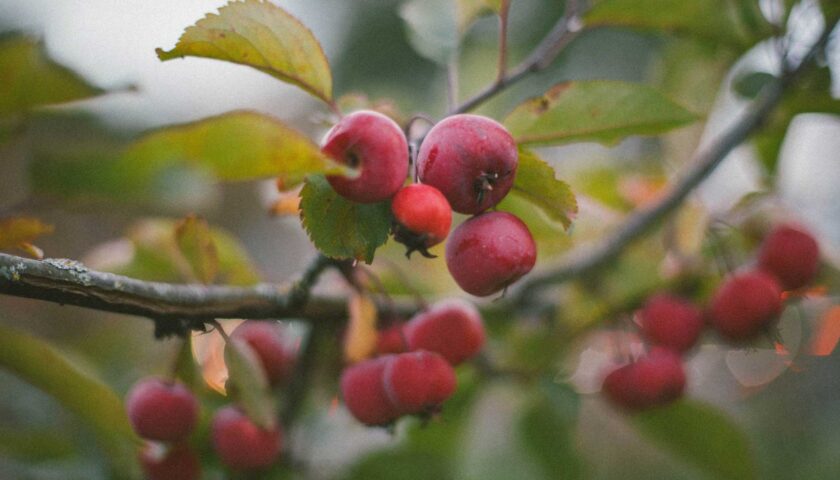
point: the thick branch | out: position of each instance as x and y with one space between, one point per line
583 260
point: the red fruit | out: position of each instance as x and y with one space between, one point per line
241 444
176 463
266 339
791 254
160 410
656 379
363 390
745 305
671 322
418 381
391 340
423 218
452 328
471 159
489 252
374 144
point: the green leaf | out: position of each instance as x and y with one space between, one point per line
29 79
702 436
45 368
535 181
186 370
340 228
751 84
195 241
603 111
36 445
404 464
248 383
468 11
262 35
547 428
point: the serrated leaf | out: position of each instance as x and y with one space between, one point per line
29 79
547 429
750 85
20 232
262 35
535 181
603 111
340 228
248 383
40 365
195 241
702 436
361 335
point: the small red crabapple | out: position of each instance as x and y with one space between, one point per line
471 159
363 391
161 410
422 218
791 254
241 444
391 340
267 340
490 251
178 462
655 379
671 321
745 305
418 381
374 144
452 328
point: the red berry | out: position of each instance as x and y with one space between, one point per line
489 252
363 390
418 381
241 444
471 159
176 463
452 328
160 410
791 254
671 322
391 340
374 144
266 339
423 217
656 379
745 305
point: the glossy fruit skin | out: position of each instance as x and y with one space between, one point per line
423 217
391 340
654 380
241 444
375 145
791 254
471 159
161 410
363 391
178 463
745 305
452 328
671 321
266 339
418 381
490 251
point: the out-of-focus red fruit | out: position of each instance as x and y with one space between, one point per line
490 251
452 328
423 218
791 254
241 444
178 462
654 380
745 305
374 144
161 410
391 340
418 381
363 390
671 322
266 339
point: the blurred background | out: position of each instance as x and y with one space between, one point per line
783 395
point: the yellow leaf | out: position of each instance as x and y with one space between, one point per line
360 339
19 232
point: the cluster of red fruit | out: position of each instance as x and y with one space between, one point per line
166 411
466 163
413 374
742 308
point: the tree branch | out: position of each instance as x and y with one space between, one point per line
583 260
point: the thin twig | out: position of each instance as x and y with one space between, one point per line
503 29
